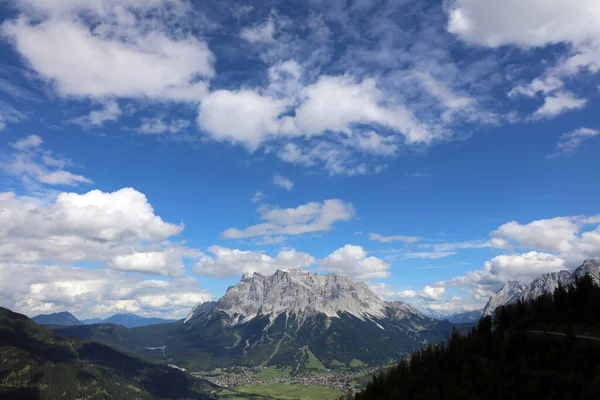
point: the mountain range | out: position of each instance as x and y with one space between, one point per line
292 318
36 363
127 320
65 318
513 291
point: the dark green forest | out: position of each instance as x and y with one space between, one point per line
547 348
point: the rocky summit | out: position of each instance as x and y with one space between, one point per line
302 294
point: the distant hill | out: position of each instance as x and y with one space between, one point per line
293 318
128 320
38 364
466 317
60 318
545 348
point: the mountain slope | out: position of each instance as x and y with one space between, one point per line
465 317
513 291
38 364
127 320
61 318
546 348
284 319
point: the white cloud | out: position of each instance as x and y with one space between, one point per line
389 293
110 112
352 261
258 196
233 262
306 218
524 266
28 143
538 85
433 293
525 22
557 104
374 143
259 33
243 116
167 262
90 227
157 126
334 103
429 254
570 141
283 182
34 289
394 238
34 165
556 234
127 52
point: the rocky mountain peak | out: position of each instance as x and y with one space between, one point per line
302 293
513 291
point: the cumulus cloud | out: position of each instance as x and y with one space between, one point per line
118 228
393 238
570 141
127 52
227 262
524 266
530 23
555 234
34 289
352 261
242 116
283 182
35 165
306 218
524 22
389 293
433 293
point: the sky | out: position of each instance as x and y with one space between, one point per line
152 152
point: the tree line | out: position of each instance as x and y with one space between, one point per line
539 349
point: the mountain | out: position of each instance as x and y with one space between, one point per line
60 318
465 317
298 319
127 320
513 291
91 321
38 364
544 348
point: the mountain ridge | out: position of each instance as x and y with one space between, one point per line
513 291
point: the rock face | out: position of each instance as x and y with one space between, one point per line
60 318
302 294
513 291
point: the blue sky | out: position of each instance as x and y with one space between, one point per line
152 152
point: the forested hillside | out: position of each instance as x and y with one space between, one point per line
547 348
38 364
